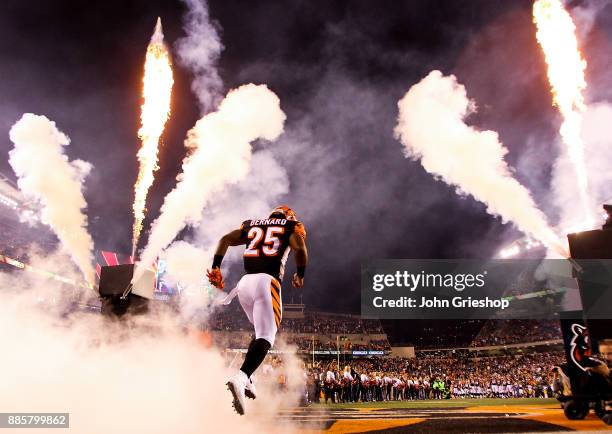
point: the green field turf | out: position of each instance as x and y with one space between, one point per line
433 403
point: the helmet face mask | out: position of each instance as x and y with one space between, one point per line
287 212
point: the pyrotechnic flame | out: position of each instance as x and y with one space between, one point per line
556 35
157 90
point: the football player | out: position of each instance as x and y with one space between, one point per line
268 242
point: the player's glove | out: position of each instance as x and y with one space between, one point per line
215 278
297 281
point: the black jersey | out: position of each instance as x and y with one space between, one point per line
267 245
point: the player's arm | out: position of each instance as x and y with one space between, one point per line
233 238
297 242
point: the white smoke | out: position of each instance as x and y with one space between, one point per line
185 265
255 197
597 135
431 126
221 144
44 173
251 198
267 180
199 51
144 375
585 14
181 260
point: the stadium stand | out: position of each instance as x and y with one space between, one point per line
19 223
505 332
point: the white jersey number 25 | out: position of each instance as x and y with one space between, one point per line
271 242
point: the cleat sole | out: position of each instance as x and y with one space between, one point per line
236 401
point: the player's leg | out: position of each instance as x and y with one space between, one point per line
267 315
246 296
240 382
261 298
247 301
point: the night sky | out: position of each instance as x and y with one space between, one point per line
339 69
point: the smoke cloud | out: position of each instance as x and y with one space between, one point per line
221 145
597 134
431 126
254 196
185 265
585 15
265 183
199 51
146 374
45 174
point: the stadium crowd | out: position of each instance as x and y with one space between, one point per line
324 328
386 379
306 344
233 319
329 332
505 332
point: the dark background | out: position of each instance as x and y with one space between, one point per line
339 69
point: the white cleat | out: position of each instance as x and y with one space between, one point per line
237 385
250 391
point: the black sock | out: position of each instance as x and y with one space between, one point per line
255 355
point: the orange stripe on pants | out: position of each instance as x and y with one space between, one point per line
276 306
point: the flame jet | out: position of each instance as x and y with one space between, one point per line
556 34
157 92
